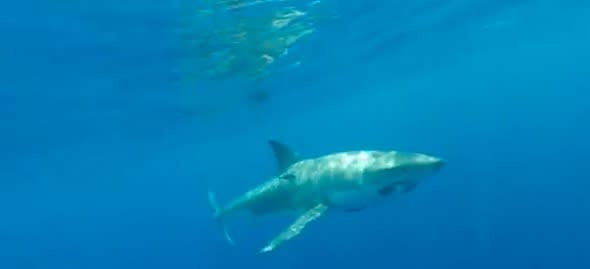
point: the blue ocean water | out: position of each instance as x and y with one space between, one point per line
105 159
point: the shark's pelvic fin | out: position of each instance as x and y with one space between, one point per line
218 218
296 227
283 154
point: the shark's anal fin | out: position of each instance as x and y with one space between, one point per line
296 227
283 154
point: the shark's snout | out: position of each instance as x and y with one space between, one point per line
437 163
433 163
420 163
423 159
404 167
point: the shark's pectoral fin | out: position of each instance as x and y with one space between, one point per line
296 227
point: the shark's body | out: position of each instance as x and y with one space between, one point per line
347 181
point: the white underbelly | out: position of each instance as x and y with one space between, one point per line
353 199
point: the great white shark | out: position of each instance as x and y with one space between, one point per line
347 181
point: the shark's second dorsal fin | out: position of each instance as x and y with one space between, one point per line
283 154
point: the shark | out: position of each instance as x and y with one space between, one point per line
347 181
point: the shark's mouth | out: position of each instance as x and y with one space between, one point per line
387 189
397 187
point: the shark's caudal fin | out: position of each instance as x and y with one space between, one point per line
215 206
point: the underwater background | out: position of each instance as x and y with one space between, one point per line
114 127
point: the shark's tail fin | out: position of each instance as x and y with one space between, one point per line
214 205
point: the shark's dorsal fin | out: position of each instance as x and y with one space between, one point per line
296 227
283 154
